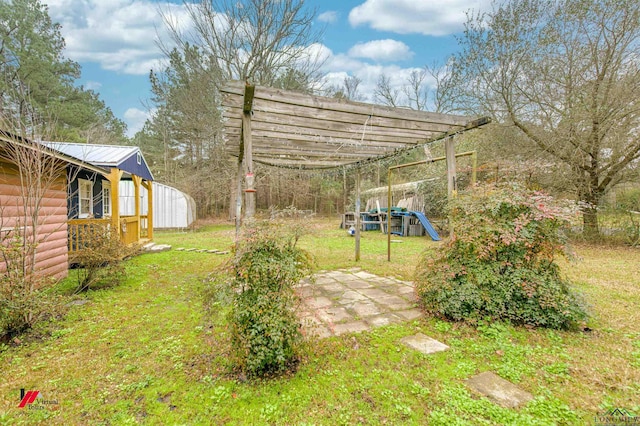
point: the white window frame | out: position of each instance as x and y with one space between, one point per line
83 185
106 199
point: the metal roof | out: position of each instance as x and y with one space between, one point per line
7 137
105 156
98 155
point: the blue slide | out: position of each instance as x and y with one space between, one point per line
427 225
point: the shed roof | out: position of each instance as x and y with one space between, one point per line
104 155
291 129
10 138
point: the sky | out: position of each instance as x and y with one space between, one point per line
116 42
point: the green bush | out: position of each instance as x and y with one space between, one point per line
265 330
99 258
500 261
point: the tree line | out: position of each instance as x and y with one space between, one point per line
561 80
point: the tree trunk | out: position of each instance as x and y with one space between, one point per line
590 222
591 198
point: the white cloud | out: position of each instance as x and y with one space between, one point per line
411 16
120 35
92 85
337 67
329 17
135 119
382 50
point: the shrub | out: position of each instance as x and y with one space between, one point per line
25 298
500 262
265 330
100 257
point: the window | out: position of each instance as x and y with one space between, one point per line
106 199
139 158
85 198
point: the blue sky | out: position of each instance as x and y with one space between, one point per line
115 42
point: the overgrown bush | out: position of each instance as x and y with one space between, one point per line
265 330
99 258
500 262
25 297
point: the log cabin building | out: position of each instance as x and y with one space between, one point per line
67 188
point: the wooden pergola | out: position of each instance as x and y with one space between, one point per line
293 130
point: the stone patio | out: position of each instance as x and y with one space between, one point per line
351 300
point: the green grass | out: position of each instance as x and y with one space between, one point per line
145 352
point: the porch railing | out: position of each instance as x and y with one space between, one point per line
129 230
82 231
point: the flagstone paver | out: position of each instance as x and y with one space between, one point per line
499 390
424 344
352 300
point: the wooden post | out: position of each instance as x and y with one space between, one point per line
238 200
149 187
114 177
137 180
389 201
450 152
358 215
452 187
250 191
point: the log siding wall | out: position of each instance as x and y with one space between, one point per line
52 252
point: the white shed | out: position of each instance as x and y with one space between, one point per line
172 208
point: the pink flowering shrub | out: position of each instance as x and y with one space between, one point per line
500 262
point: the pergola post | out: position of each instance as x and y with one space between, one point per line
452 184
450 153
358 215
250 191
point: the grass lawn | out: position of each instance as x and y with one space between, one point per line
145 352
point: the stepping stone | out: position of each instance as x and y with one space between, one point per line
333 288
159 248
306 291
223 252
202 251
499 390
212 251
374 293
350 327
334 315
424 344
359 284
394 303
319 302
351 296
364 275
410 314
365 309
192 249
380 320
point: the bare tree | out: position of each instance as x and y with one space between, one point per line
445 94
566 74
416 89
385 93
252 39
29 215
351 85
